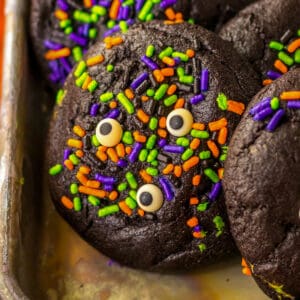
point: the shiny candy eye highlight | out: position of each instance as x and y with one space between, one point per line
149 198
179 122
109 132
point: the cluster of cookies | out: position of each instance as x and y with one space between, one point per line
157 155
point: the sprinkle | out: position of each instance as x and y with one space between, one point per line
106 97
222 138
275 120
197 99
67 153
90 191
196 180
166 52
162 122
202 206
216 189
151 142
194 201
127 138
150 51
162 133
222 101
276 45
94 109
279 65
122 163
170 100
146 9
177 171
149 63
152 155
112 41
183 141
275 103
77 204
145 176
124 207
293 104
211 175
285 58
139 138
159 77
181 56
260 116
73 188
105 179
291 95
168 169
81 178
68 164
122 187
217 125
127 104
153 123
131 180
135 152
202 247
213 148
173 149
55 54
199 134
190 163
108 210
95 60
204 155
142 116
167 188
93 200
167 72
187 154
204 80
192 222
273 75
74 143
236 107
67 202
139 80
220 225
78 131
152 171
260 106
55 170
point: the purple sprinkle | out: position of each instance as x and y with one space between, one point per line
113 114
122 163
85 30
104 3
94 109
197 228
138 81
275 120
120 13
260 116
177 61
108 187
63 5
54 77
196 99
51 45
273 75
137 147
173 149
54 66
78 39
67 153
167 188
111 31
130 22
204 80
162 142
125 12
66 65
139 5
260 106
215 191
149 63
293 104
105 179
167 3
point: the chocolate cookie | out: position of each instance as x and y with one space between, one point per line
62 30
251 32
137 147
262 187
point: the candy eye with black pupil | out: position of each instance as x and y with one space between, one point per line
109 132
149 198
179 122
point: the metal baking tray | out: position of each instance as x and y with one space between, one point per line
40 256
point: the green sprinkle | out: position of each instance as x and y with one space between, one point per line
64 23
219 225
110 24
93 200
74 188
191 21
153 123
108 210
60 96
77 204
131 180
166 52
126 103
123 26
93 33
132 194
183 141
182 56
199 134
149 17
150 92
212 175
285 58
154 163
81 16
204 155
276 45
151 142
74 159
146 9
68 30
95 141
143 155
223 157
170 100
297 56
187 154
202 206
106 96
92 86
81 67
150 51
202 247
94 18
127 138
275 103
152 171
222 101
55 170
180 72
122 187
77 53
131 203
152 155
110 68
188 79
99 10
161 91
298 32
79 81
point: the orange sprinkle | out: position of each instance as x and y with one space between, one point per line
145 176
55 54
102 148
162 122
113 104
177 171
84 170
168 61
86 83
81 178
92 61
159 77
90 191
113 195
79 131
169 22
199 126
142 116
217 125
244 263
190 53
93 184
120 150
222 137
221 173
196 180
67 202
179 17
145 98
193 161
195 144
246 271
213 148
61 15
279 65
141 212
172 89
87 3
267 82
167 72
111 152
124 207
294 45
129 94
168 169
192 222
101 155
128 150
291 95
179 103
235 107
112 41
170 14
79 153
114 9
69 165
194 201
74 143
162 133
179 21
139 138
198 234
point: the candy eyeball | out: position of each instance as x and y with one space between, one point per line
109 132
149 198
179 122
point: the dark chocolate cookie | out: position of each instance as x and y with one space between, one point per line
137 147
62 30
262 187
256 26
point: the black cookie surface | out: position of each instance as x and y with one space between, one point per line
253 28
187 71
62 30
262 187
